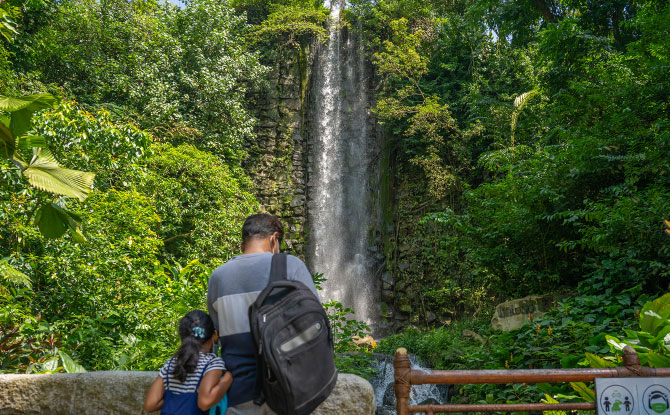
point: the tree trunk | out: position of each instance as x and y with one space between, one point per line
543 7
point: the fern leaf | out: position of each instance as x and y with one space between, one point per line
520 102
9 273
523 99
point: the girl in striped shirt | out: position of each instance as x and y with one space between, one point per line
194 379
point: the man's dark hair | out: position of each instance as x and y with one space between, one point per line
261 225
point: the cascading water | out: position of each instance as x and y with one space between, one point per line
420 394
343 190
340 205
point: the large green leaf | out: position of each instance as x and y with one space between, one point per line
69 364
662 333
53 220
597 361
658 360
7 142
22 109
7 26
44 173
9 273
615 343
51 365
584 391
655 314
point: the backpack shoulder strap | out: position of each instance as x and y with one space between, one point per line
278 270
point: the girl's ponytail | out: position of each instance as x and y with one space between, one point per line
195 328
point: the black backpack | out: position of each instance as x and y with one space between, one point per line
295 358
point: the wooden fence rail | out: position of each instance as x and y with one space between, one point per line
405 377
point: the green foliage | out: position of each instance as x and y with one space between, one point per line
292 26
426 123
7 25
94 142
43 171
184 72
574 334
111 300
567 182
111 287
349 357
651 342
12 275
201 202
258 10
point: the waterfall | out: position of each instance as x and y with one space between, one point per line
419 395
341 204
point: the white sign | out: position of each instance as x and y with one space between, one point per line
633 396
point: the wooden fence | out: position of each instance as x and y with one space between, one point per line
405 377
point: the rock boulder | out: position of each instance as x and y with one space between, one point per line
513 314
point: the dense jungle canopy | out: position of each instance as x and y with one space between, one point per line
525 142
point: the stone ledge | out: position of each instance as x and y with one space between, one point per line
122 393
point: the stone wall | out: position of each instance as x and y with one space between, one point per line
278 158
408 269
122 393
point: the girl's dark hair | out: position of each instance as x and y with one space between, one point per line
195 328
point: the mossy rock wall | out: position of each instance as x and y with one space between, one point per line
278 158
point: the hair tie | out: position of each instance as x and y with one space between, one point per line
198 332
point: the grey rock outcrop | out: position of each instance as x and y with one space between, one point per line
511 315
122 393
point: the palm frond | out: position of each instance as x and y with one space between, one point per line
28 141
27 102
7 142
44 173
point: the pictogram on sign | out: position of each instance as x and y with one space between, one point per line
633 396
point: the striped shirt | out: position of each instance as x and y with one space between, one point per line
207 362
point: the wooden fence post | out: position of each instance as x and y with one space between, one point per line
402 384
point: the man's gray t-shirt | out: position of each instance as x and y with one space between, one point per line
233 287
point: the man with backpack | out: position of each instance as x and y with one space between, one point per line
233 288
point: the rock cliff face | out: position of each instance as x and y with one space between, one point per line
122 393
278 159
